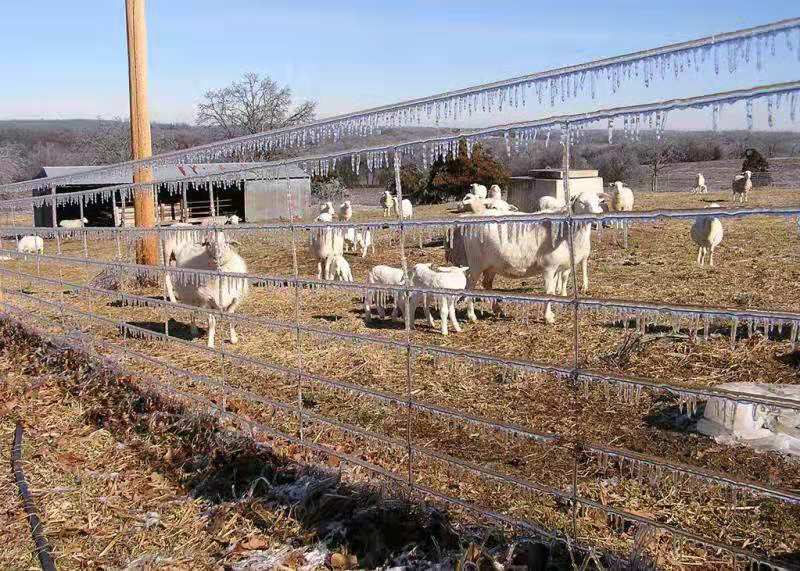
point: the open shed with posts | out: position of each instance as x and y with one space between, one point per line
255 192
527 190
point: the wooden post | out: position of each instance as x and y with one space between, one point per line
141 143
184 204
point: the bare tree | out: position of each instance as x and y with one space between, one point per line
12 163
111 142
658 156
252 105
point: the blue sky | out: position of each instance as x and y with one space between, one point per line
68 59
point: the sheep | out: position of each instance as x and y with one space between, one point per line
405 209
325 242
215 220
215 253
386 276
700 184
464 205
495 193
741 186
426 276
499 204
621 198
233 220
489 251
707 233
345 211
78 223
172 243
337 268
551 204
478 190
364 241
388 203
30 245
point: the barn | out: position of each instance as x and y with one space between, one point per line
256 192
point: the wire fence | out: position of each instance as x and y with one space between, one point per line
519 445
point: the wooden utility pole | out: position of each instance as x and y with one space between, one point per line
141 143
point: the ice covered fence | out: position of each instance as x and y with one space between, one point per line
757 425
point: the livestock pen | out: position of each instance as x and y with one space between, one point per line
578 432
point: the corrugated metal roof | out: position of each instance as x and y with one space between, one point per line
175 172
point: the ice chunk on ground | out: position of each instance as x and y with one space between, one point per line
759 426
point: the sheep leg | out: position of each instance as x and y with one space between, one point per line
452 312
212 329
550 289
700 256
234 338
487 281
585 270
170 290
711 256
443 314
412 310
427 309
319 270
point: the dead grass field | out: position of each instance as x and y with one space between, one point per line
757 268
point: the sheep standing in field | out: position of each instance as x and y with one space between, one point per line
345 211
478 190
385 276
76 223
324 243
30 245
741 186
215 253
700 185
425 276
405 208
707 234
491 249
337 269
621 198
388 203
172 242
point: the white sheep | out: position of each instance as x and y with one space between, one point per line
386 276
233 220
478 190
405 209
214 221
215 253
700 184
499 204
337 268
345 211
621 198
492 249
364 242
428 277
495 192
30 245
326 207
172 242
325 242
551 204
324 217
388 203
741 186
77 223
707 233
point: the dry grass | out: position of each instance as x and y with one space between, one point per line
756 267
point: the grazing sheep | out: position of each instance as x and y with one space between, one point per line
388 203
700 185
621 198
345 211
551 204
428 277
386 276
741 186
405 209
78 223
216 253
30 245
478 190
491 249
337 268
495 193
707 234
325 242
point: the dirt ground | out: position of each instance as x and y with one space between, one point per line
757 268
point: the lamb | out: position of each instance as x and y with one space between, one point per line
406 210
551 204
30 245
77 223
386 276
337 268
324 243
214 220
464 205
358 241
621 198
741 186
388 203
489 251
495 193
700 184
233 220
707 234
345 211
215 253
426 276
478 190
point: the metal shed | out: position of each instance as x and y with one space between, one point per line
253 191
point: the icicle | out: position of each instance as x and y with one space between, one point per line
610 130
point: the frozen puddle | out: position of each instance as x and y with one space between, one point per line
759 426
